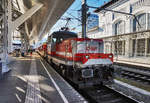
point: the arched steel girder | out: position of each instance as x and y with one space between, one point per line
38 15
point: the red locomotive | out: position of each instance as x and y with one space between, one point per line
79 59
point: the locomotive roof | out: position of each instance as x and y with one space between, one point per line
64 34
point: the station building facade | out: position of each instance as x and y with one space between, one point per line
125 36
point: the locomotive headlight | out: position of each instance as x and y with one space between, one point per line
110 56
87 57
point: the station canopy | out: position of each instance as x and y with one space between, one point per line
36 17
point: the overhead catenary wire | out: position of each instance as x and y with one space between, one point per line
73 16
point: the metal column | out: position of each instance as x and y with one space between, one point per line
84 17
5 38
26 15
1 32
9 26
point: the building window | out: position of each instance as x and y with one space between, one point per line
141 47
119 27
113 17
130 9
148 49
142 21
119 47
149 21
133 47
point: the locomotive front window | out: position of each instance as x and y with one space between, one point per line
89 47
54 40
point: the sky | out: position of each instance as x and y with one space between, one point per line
73 13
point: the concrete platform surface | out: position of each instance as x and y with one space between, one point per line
32 80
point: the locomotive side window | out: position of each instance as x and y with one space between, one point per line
52 44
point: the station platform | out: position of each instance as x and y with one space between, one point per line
143 62
32 80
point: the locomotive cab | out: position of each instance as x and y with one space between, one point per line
55 39
81 60
89 55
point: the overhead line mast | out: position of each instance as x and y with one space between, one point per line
84 17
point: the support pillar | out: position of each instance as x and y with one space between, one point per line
24 41
146 46
113 47
5 39
131 48
84 17
26 28
10 26
146 21
26 16
1 33
136 42
128 47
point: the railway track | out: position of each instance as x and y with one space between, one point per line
136 68
103 94
135 73
136 76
